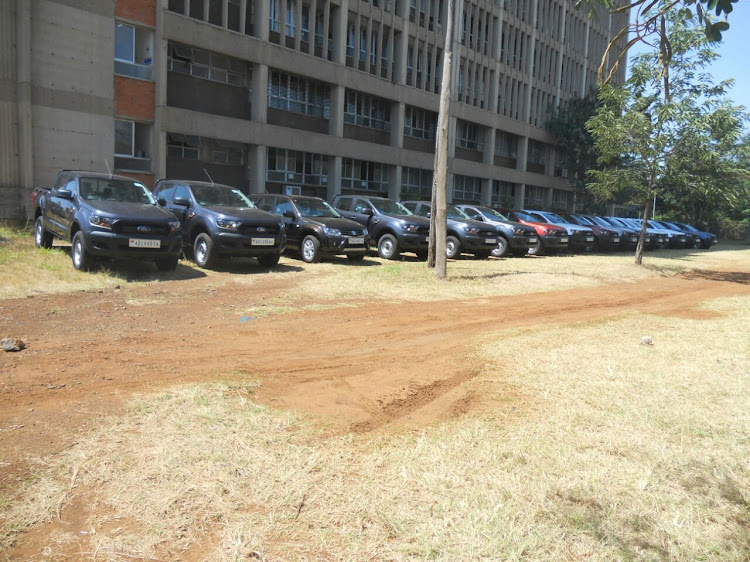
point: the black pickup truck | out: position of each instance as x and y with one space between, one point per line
219 220
393 226
105 216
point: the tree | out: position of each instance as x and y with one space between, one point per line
649 141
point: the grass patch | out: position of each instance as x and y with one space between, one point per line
614 451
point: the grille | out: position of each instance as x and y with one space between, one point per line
488 233
351 232
128 227
251 229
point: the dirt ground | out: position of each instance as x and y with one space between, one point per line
364 367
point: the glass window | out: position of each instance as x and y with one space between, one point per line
124 137
124 42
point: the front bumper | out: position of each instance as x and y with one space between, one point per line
336 245
235 244
105 243
551 241
413 242
521 242
474 243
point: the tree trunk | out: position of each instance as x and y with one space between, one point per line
642 238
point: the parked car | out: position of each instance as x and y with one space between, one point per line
550 238
706 238
463 234
394 227
105 216
692 240
220 221
581 237
315 229
655 238
606 238
674 238
513 237
629 237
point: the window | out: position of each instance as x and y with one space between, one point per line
506 145
132 146
503 194
296 167
467 188
274 24
468 135
184 147
537 152
419 123
364 175
298 94
204 64
416 183
134 51
367 111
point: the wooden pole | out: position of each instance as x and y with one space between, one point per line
438 224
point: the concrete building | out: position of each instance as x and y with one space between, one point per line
317 96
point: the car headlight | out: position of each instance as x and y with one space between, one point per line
174 225
332 231
102 222
228 225
519 231
410 227
542 230
471 229
364 232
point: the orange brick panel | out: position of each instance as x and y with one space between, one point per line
134 99
145 179
143 11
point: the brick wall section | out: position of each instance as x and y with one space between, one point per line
145 179
142 11
134 99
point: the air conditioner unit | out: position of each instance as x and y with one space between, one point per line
292 190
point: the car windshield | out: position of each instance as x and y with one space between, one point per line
690 228
103 189
455 213
220 195
309 207
492 214
528 217
557 219
539 217
601 222
388 207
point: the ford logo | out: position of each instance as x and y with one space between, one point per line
262 229
144 229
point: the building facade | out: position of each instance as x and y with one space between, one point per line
313 96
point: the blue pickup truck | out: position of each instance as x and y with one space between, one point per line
105 216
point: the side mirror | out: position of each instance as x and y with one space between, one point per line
289 214
162 202
479 218
63 193
367 211
428 215
181 201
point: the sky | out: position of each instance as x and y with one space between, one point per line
734 51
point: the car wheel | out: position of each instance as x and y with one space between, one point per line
269 260
388 247
536 249
82 261
501 250
203 251
355 257
42 238
452 247
167 264
310 249
481 255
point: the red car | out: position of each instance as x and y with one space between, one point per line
550 238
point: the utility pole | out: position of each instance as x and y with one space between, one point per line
438 226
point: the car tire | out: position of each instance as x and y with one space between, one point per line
536 249
452 247
309 250
501 250
388 247
167 264
82 260
203 251
269 260
355 257
42 238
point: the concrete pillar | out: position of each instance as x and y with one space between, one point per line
161 50
394 182
582 91
522 153
259 97
258 160
519 196
334 177
336 121
23 93
547 198
243 15
340 23
486 196
560 56
400 51
398 111
488 155
260 20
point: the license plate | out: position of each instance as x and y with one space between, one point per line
262 241
490 240
615 240
143 243
426 238
589 239
563 240
358 240
533 240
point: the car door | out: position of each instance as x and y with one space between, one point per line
184 213
54 210
293 224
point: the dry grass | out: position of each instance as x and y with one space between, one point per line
617 451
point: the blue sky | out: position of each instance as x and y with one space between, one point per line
734 53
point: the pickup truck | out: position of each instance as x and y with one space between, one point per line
105 216
220 221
